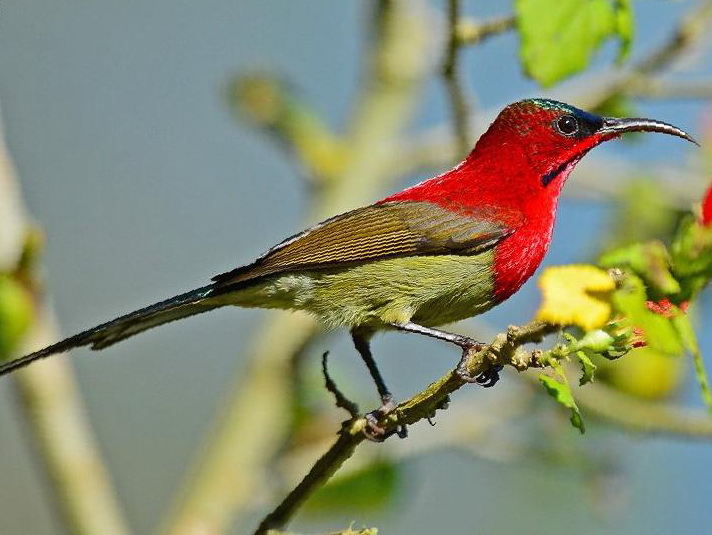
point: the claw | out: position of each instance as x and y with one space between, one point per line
486 379
489 378
376 433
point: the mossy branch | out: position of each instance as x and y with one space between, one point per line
502 351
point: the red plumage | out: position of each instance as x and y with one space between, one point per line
502 178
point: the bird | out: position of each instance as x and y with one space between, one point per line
448 248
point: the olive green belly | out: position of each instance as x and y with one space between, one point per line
429 290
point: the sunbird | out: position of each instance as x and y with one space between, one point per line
446 249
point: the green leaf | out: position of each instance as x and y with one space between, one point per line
587 366
559 37
559 389
16 312
369 488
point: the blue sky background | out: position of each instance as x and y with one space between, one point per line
145 187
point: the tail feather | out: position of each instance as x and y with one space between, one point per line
106 334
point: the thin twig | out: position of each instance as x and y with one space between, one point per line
349 438
503 350
341 400
655 88
453 80
473 32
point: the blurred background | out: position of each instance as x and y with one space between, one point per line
118 119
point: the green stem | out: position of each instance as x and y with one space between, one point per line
687 335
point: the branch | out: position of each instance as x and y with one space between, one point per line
502 351
471 32
54 410
505 349
463 32
453 81
655 88
269 104
349 438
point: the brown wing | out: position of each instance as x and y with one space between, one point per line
376 232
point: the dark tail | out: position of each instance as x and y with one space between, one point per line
109 333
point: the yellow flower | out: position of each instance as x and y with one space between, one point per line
576 295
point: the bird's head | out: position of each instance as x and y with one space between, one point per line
548 138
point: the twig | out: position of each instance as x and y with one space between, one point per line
341 400
503 350
349 438
473 33
453 80
654 88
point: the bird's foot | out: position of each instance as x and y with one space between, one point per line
375 432
487 378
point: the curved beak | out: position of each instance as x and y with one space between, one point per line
614 126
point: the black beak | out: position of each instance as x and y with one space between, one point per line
614 126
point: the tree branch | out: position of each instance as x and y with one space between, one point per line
471 32
349 438
453 81
502 351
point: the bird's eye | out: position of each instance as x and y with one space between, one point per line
567 125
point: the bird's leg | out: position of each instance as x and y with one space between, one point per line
486 378
361 340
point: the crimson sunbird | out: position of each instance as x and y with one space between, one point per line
443 250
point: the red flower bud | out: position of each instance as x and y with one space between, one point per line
662 308
707 208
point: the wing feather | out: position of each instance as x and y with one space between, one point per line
377 232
